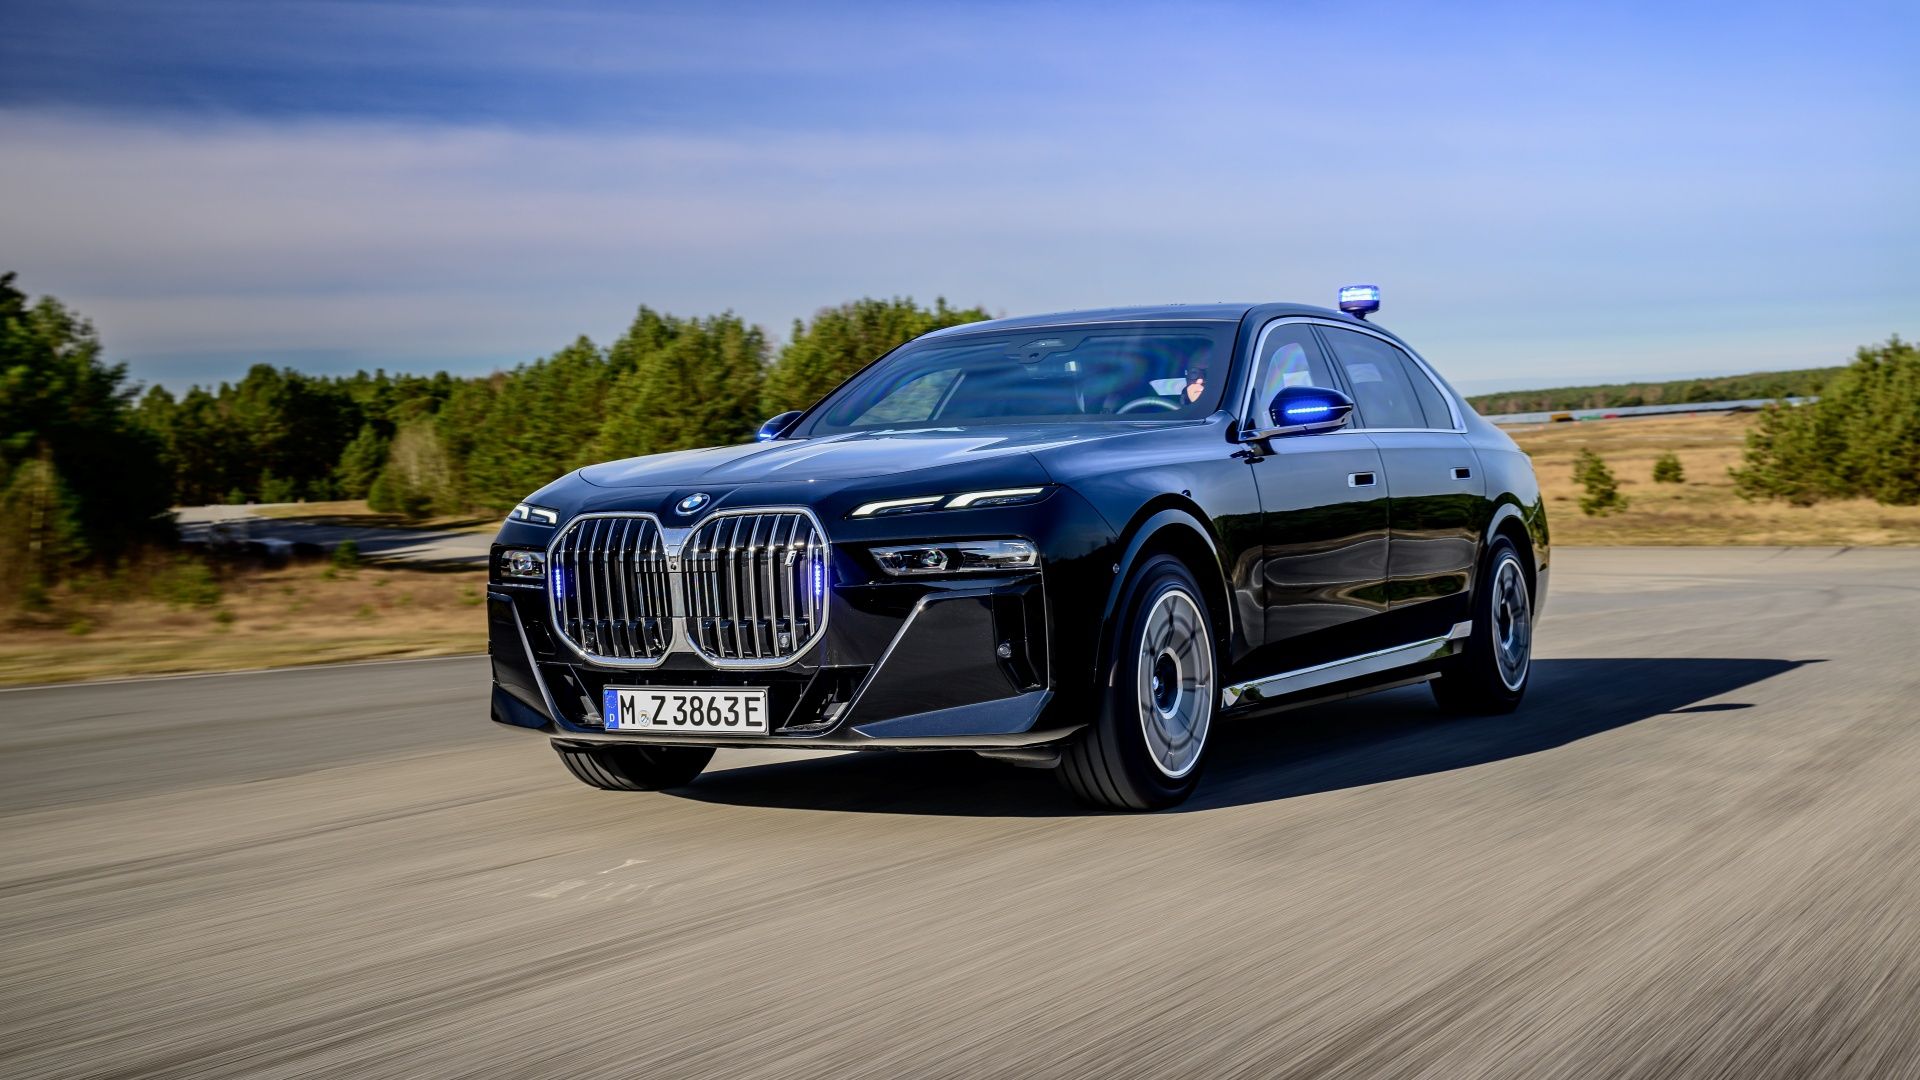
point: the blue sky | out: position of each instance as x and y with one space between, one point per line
1545 194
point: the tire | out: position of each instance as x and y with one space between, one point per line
1157 703
634 768
1489 677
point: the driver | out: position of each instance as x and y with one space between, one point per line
1185 392
1196 374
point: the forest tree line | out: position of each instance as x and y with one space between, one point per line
1761 384
416 444
91 462
442 444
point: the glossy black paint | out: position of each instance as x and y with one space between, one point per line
1312 547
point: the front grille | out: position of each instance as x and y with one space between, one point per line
755 585
748 589
611 596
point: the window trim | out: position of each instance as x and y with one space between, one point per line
1246 398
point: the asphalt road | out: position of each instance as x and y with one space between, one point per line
238 524
1696 851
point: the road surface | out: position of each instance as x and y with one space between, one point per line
237 524
1696 851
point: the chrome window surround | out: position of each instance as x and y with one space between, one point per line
1249 424
673 539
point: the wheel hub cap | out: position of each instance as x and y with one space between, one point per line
1512 623
1176 695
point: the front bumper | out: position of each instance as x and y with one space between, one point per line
947 663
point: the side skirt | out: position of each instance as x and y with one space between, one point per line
1287 683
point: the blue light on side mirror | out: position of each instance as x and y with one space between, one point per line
1303 410
777 426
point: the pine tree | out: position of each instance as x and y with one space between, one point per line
60 399
39 526
1861 438
1668 470
360 463
1602 496
693 383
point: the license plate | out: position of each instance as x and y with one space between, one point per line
689 710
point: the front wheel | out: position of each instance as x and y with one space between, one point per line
1145 748
1489 677
634 768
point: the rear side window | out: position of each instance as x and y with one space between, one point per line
1390 390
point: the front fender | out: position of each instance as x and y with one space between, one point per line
1141 534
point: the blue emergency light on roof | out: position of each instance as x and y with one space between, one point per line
1360 301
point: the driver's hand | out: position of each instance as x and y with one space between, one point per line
1196 388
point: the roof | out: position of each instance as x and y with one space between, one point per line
1216 313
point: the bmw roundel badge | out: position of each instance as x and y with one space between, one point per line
693 502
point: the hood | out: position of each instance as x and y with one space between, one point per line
851 456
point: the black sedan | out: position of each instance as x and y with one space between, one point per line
1067 541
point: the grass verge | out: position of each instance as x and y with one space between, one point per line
253 618
1702 510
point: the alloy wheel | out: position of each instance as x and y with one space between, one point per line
1176 677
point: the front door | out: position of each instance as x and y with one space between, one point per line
1322 561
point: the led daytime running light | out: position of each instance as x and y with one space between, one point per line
965 500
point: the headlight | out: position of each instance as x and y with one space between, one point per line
538 515
523 565
963 501
956 556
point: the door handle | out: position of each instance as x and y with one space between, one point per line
1461 472
1360 479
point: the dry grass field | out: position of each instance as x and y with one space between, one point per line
1703 509
309 614
300 614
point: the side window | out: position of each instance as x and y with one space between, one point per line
1432 402
1389 389
1289 356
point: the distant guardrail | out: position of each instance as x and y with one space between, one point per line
1639 410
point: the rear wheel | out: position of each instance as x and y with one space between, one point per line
1490 676
1146 746
634 768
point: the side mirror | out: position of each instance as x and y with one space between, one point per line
777 426
1307 410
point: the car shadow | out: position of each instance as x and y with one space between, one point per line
1376 739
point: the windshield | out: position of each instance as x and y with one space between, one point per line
1051 375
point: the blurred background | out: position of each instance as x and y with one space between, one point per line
297 298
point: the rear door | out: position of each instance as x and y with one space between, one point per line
1435 493
1322 561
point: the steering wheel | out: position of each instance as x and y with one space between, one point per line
1144 402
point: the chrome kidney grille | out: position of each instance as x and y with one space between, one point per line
747 589
611 592
755 585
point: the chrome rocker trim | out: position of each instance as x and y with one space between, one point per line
1353 667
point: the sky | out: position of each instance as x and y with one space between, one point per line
1545 194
